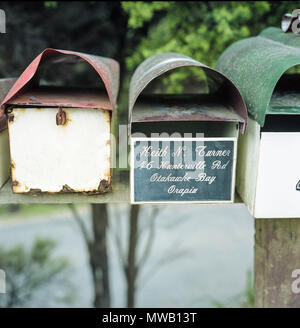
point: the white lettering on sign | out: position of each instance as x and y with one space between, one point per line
219 166
183 169
182 191
169 178
212 153
180 166
206 178
147 151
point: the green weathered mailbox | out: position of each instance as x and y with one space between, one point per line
268 165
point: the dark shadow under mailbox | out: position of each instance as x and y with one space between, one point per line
183 146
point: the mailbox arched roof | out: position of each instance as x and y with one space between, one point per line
256 64
159 64
107 69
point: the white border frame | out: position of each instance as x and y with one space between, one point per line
135 139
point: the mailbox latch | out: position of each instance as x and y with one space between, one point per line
61 117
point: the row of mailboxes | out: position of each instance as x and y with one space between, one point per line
184 147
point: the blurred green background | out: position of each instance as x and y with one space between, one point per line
128 32
131 32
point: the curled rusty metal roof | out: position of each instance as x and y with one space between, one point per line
256 64
159 64
107 69
62 97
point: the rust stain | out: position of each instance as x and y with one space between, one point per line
68 119
108 173
12 168
61 117
66 188
34 191
103 186
108 117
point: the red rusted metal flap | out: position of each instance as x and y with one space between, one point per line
62 97
5 86
107 68
157 65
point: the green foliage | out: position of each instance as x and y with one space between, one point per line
131 32
28 271
202 30
141 12
50 4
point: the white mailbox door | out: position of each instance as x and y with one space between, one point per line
54 158
277 192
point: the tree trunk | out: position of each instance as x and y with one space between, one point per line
131 264
98 256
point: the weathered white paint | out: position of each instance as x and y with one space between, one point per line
47 157
247 164
278 175
4 157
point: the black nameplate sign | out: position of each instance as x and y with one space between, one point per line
182 170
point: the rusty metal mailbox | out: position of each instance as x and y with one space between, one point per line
268 166
183 146
59 137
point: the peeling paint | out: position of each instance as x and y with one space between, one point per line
103 186
66 188
34 191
